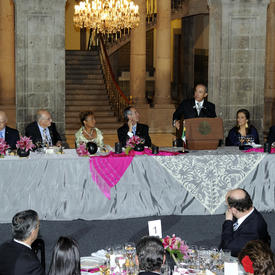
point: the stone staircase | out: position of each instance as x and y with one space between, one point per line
86 91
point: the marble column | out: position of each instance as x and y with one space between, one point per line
40 60
269 99
237 43
163 52
138 58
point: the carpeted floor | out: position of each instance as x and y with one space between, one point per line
94 235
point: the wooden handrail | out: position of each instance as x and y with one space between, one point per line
111 71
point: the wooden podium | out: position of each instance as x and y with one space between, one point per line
203 133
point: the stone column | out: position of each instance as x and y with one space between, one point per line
138 58
163 45
237 36
269 99
40 60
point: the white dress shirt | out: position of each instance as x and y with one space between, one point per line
242 219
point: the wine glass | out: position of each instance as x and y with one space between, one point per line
130 249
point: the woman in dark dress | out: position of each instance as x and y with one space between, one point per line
242 131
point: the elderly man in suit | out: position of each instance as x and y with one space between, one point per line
133 128
243 223
10 135
43 130
195 107
16 256
150 255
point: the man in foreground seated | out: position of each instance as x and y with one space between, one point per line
43 130
133 128
195 107
243 222
16 256
150 255
11 136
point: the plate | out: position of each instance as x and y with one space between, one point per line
90 262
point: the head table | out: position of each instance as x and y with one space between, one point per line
62 187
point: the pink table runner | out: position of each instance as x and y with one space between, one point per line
259 150
107 170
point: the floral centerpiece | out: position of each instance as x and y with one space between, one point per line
82 150
133 143
24 145
3 147
176 247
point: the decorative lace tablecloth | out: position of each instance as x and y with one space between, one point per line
209 175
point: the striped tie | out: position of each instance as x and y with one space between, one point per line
235 226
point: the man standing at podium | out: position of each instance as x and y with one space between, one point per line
195 107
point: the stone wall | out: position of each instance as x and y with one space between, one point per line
237 46
40 60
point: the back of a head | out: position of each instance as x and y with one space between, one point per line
150 253
65 258
23 223
239 199
261 256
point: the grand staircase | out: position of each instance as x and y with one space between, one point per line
86 91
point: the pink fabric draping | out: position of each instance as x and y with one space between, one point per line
259 150
107 170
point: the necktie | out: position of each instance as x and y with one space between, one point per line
134 129
45 138
198 108
235 226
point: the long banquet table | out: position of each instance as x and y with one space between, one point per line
60 187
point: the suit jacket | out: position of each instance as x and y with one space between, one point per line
253 227
11 137
233 138
187 110
17 259
32 130
271 135
142 131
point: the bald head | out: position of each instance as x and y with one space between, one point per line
44 118
3 120
239 199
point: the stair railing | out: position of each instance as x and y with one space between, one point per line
117 98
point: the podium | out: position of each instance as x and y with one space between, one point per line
203 133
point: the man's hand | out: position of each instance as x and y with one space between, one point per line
130 125
59 143
229 214
177 124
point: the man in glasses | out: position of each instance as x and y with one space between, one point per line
43 130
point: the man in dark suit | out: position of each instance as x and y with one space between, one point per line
243 223
10 135
43 130
150 255
271 135
133 128
196 107
16 256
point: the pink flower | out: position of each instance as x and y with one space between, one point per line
176 247
3 146
25 144
82 150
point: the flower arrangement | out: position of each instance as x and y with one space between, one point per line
25 144
132 143
82 150
3 147
176 247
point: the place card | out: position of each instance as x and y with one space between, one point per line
231 268
155 228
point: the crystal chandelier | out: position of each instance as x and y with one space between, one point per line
106 16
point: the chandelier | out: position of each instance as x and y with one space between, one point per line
106 16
